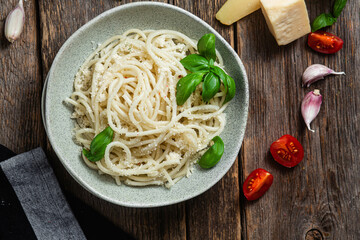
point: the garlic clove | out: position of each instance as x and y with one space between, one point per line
310 107
316 72
15 22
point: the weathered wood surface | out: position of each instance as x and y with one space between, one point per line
20 83
323 191
319 199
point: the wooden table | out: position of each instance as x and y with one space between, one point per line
318 199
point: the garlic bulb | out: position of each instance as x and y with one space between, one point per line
310 107
316 72
15 22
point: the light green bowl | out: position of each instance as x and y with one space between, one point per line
59 85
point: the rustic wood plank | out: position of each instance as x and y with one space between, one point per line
319 199
216 213
20 83
59 19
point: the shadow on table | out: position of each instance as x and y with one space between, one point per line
94 225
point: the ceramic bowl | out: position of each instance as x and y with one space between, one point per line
59 85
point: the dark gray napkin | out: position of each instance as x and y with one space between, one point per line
40 196
13 222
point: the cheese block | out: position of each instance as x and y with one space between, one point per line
233 10
287 20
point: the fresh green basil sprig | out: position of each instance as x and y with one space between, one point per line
213 155
98 145
328 19
203 70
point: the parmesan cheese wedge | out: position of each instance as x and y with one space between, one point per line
233 10
287 20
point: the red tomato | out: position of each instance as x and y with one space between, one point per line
287 151
324 42
257 183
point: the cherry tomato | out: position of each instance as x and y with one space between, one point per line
287 151
324 42
257 183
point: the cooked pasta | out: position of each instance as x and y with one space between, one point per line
129 84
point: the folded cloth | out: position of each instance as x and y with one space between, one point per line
41 199
13 222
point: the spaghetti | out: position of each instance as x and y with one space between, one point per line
129 84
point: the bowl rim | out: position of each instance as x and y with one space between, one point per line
47 122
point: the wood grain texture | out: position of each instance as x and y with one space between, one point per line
319 199
20 83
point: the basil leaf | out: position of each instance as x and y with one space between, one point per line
210 86
91 157
219 72
101 140
229 83
211 62
213 155
187 85
195 63
206 46
231 88
222 75
98 145
323 20
338 7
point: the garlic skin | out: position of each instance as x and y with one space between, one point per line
316 72
310 107
15 22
